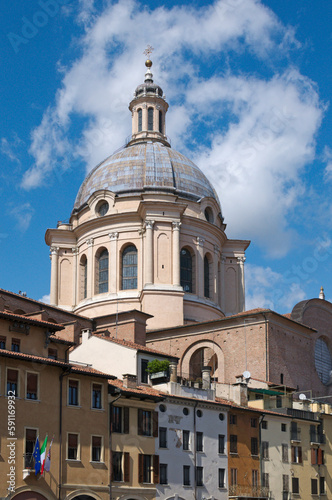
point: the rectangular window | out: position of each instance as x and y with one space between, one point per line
295 432
221 444
265 450
295 485
16 345
30 441
144 373
283 427
120 419
266 480
233 477
254 446
254 478
232 419
253 422
117 465
199 441
296 454
264 424
285 453
96 449
144 422
162 437
221 478
314 487
73 392
72 449
12 382
186 436
147 468
186 475
322 485
32 385
2 342
96 396
199 476
317 456
233 443
285 483
163 474
52 353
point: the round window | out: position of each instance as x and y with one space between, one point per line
199 413
162 408
102 208
323 362
185 411
221 416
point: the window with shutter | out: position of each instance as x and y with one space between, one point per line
32 386
12 382
30 441
155 424
96 449
126 420
320 456
73 392
140 467
117 465
72 448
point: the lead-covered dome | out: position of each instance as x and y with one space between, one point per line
147 166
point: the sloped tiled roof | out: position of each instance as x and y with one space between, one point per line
133 345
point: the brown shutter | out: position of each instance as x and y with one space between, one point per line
139 422
112 469
293 454
12 376
156 469
140 467
155 424
320 460
72 440
300 455
32 382
126 467
126 420
313 456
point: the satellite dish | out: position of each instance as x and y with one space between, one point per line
302 396
246 374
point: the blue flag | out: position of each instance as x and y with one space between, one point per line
36 456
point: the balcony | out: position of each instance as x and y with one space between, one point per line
252 492
317 438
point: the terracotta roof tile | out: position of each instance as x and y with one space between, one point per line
142 390
31 321
84 370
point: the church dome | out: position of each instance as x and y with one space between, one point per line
147 166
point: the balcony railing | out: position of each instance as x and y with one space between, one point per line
29 461
296 435
259 492
315 437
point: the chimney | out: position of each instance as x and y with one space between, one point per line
129 381
86 334
173 370
206 377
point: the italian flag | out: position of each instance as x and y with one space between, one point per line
43 455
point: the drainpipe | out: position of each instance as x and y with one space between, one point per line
195 454
110 442
261 418
62 375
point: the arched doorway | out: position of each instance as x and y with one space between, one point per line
203 353
29 495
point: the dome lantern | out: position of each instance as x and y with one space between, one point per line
148 109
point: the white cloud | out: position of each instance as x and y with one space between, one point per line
327 157
45 299
23 215
272 122
9 148
268 289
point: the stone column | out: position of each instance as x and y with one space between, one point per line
113 260
241 261
200 267
54 275
90 270
75 274
173 367
216 276
149 252
222 301
176 253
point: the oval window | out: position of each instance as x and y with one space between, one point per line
102 208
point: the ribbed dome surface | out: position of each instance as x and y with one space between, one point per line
148 166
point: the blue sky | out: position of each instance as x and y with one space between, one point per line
249 85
